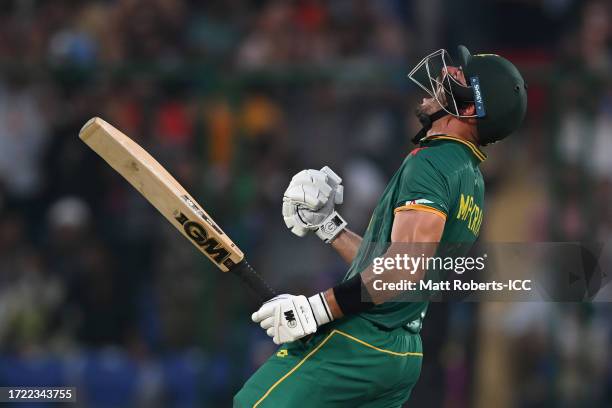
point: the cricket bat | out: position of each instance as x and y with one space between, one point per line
152 180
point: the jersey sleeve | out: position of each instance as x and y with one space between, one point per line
423 187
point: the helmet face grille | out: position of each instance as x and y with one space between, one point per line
432 75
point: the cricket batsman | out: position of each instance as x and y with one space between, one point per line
349 346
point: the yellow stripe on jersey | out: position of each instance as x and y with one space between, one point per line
480 155
420 207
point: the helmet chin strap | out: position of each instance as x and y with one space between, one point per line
427 121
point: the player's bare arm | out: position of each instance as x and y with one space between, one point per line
408 227
347 244
417 226
411 226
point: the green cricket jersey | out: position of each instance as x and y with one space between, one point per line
442 177
352 362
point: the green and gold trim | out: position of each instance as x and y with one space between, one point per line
420 207
480 155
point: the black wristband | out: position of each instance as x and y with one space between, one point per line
348 295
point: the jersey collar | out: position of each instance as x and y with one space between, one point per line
480 155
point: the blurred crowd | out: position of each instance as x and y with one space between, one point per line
234 97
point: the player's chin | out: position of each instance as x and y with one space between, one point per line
429 106
425 108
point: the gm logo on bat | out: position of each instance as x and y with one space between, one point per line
197 233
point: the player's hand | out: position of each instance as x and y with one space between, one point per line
287 318
309 202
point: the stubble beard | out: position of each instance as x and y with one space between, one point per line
429 107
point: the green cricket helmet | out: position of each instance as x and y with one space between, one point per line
494 86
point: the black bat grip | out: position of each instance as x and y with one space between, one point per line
253 280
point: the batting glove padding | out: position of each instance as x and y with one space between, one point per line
287 318
309 201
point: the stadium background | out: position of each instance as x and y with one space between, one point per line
98 291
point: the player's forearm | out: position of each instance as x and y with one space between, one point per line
347 244
357 295
415 234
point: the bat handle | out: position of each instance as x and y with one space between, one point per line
253 280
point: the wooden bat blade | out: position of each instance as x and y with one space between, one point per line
152 180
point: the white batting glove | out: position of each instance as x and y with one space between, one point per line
309 201
287 318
